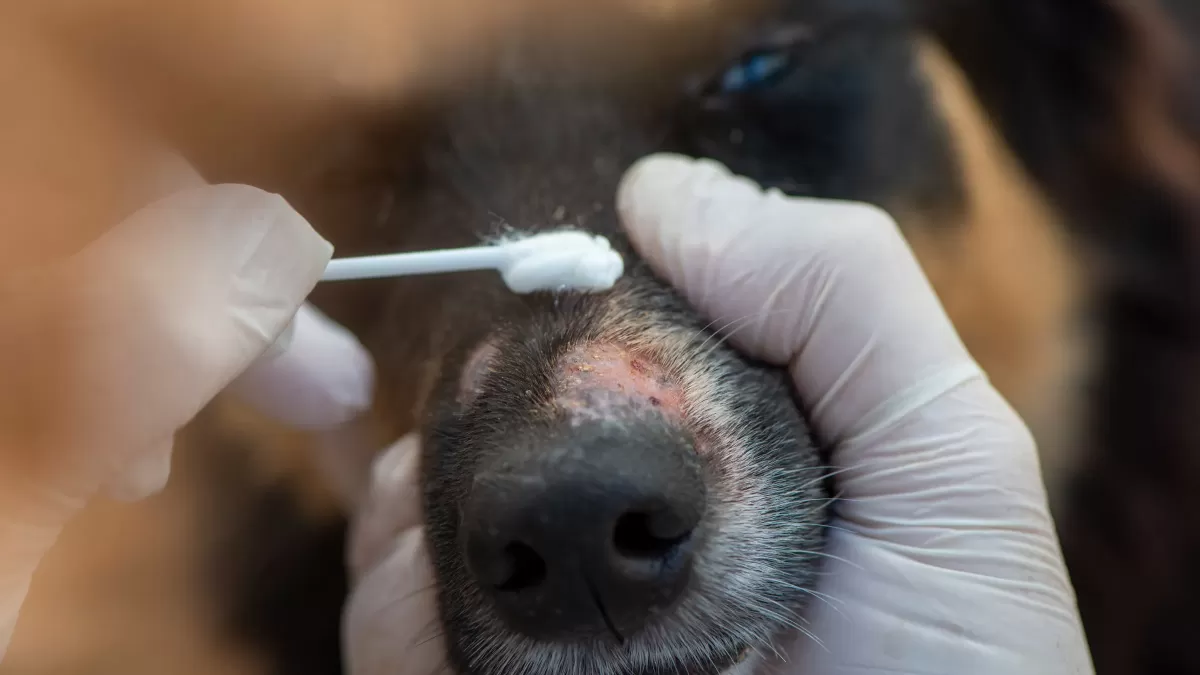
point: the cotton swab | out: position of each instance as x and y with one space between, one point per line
561 260
549 261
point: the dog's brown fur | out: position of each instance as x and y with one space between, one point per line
1010 281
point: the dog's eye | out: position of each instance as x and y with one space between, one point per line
754 70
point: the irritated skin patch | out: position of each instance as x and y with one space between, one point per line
605 380
620 419
595 380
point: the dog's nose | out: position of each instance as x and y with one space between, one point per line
587 533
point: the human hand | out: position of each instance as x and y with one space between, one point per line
942 557
108 353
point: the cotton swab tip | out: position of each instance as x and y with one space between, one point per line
562 260
548 261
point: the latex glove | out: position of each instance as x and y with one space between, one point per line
943 557
107 354
317 376
390 625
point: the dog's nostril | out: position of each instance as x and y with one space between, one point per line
590 537
649 535
524 567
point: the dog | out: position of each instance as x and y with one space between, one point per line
1049 205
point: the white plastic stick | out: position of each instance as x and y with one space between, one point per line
421 262
561 260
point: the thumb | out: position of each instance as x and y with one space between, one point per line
830 288
320 378
939 480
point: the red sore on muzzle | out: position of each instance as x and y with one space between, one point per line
585 528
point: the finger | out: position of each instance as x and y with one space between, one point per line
391 507
828 287
122 344
182 298
319 377
833 290
883 612
939 482
391 625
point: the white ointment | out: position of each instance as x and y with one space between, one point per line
565 260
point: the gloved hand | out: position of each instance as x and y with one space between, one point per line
943 557
107 354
